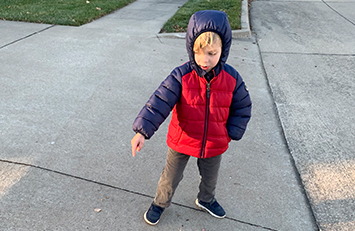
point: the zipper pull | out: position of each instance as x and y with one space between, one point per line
208 88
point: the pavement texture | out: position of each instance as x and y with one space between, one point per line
69 95
308 53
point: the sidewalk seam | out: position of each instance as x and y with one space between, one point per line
27 36
121 189
72 176
300 53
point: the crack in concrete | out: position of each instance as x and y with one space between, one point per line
338 13
123 189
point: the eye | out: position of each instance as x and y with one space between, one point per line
212 53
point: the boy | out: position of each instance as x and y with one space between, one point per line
210 106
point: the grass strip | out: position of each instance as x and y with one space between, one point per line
179 22
59 12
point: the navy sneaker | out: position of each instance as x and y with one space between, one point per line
153 214
213 208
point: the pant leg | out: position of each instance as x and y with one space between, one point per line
209 173
170 177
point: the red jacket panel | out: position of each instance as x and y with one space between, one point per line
199 118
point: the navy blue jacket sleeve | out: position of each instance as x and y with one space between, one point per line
239 111
159 105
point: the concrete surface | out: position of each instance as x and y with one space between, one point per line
69 95
308 52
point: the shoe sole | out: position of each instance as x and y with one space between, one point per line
210 212
146 220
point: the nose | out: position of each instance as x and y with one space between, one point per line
204 60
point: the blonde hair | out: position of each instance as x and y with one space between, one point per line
206 39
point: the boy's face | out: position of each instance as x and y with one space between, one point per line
208 57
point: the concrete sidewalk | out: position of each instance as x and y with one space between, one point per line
308 52
68 97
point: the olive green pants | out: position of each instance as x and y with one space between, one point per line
173 174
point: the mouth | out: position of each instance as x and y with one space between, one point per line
204 67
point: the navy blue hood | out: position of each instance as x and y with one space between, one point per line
209 20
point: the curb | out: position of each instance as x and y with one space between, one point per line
242 33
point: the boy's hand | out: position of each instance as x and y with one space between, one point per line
137 143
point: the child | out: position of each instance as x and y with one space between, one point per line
211 106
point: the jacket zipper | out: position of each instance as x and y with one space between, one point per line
207 111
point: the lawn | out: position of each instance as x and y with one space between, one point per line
79 12
59 12
178 23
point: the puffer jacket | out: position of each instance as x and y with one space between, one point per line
206 116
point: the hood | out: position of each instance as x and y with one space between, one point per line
209 20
